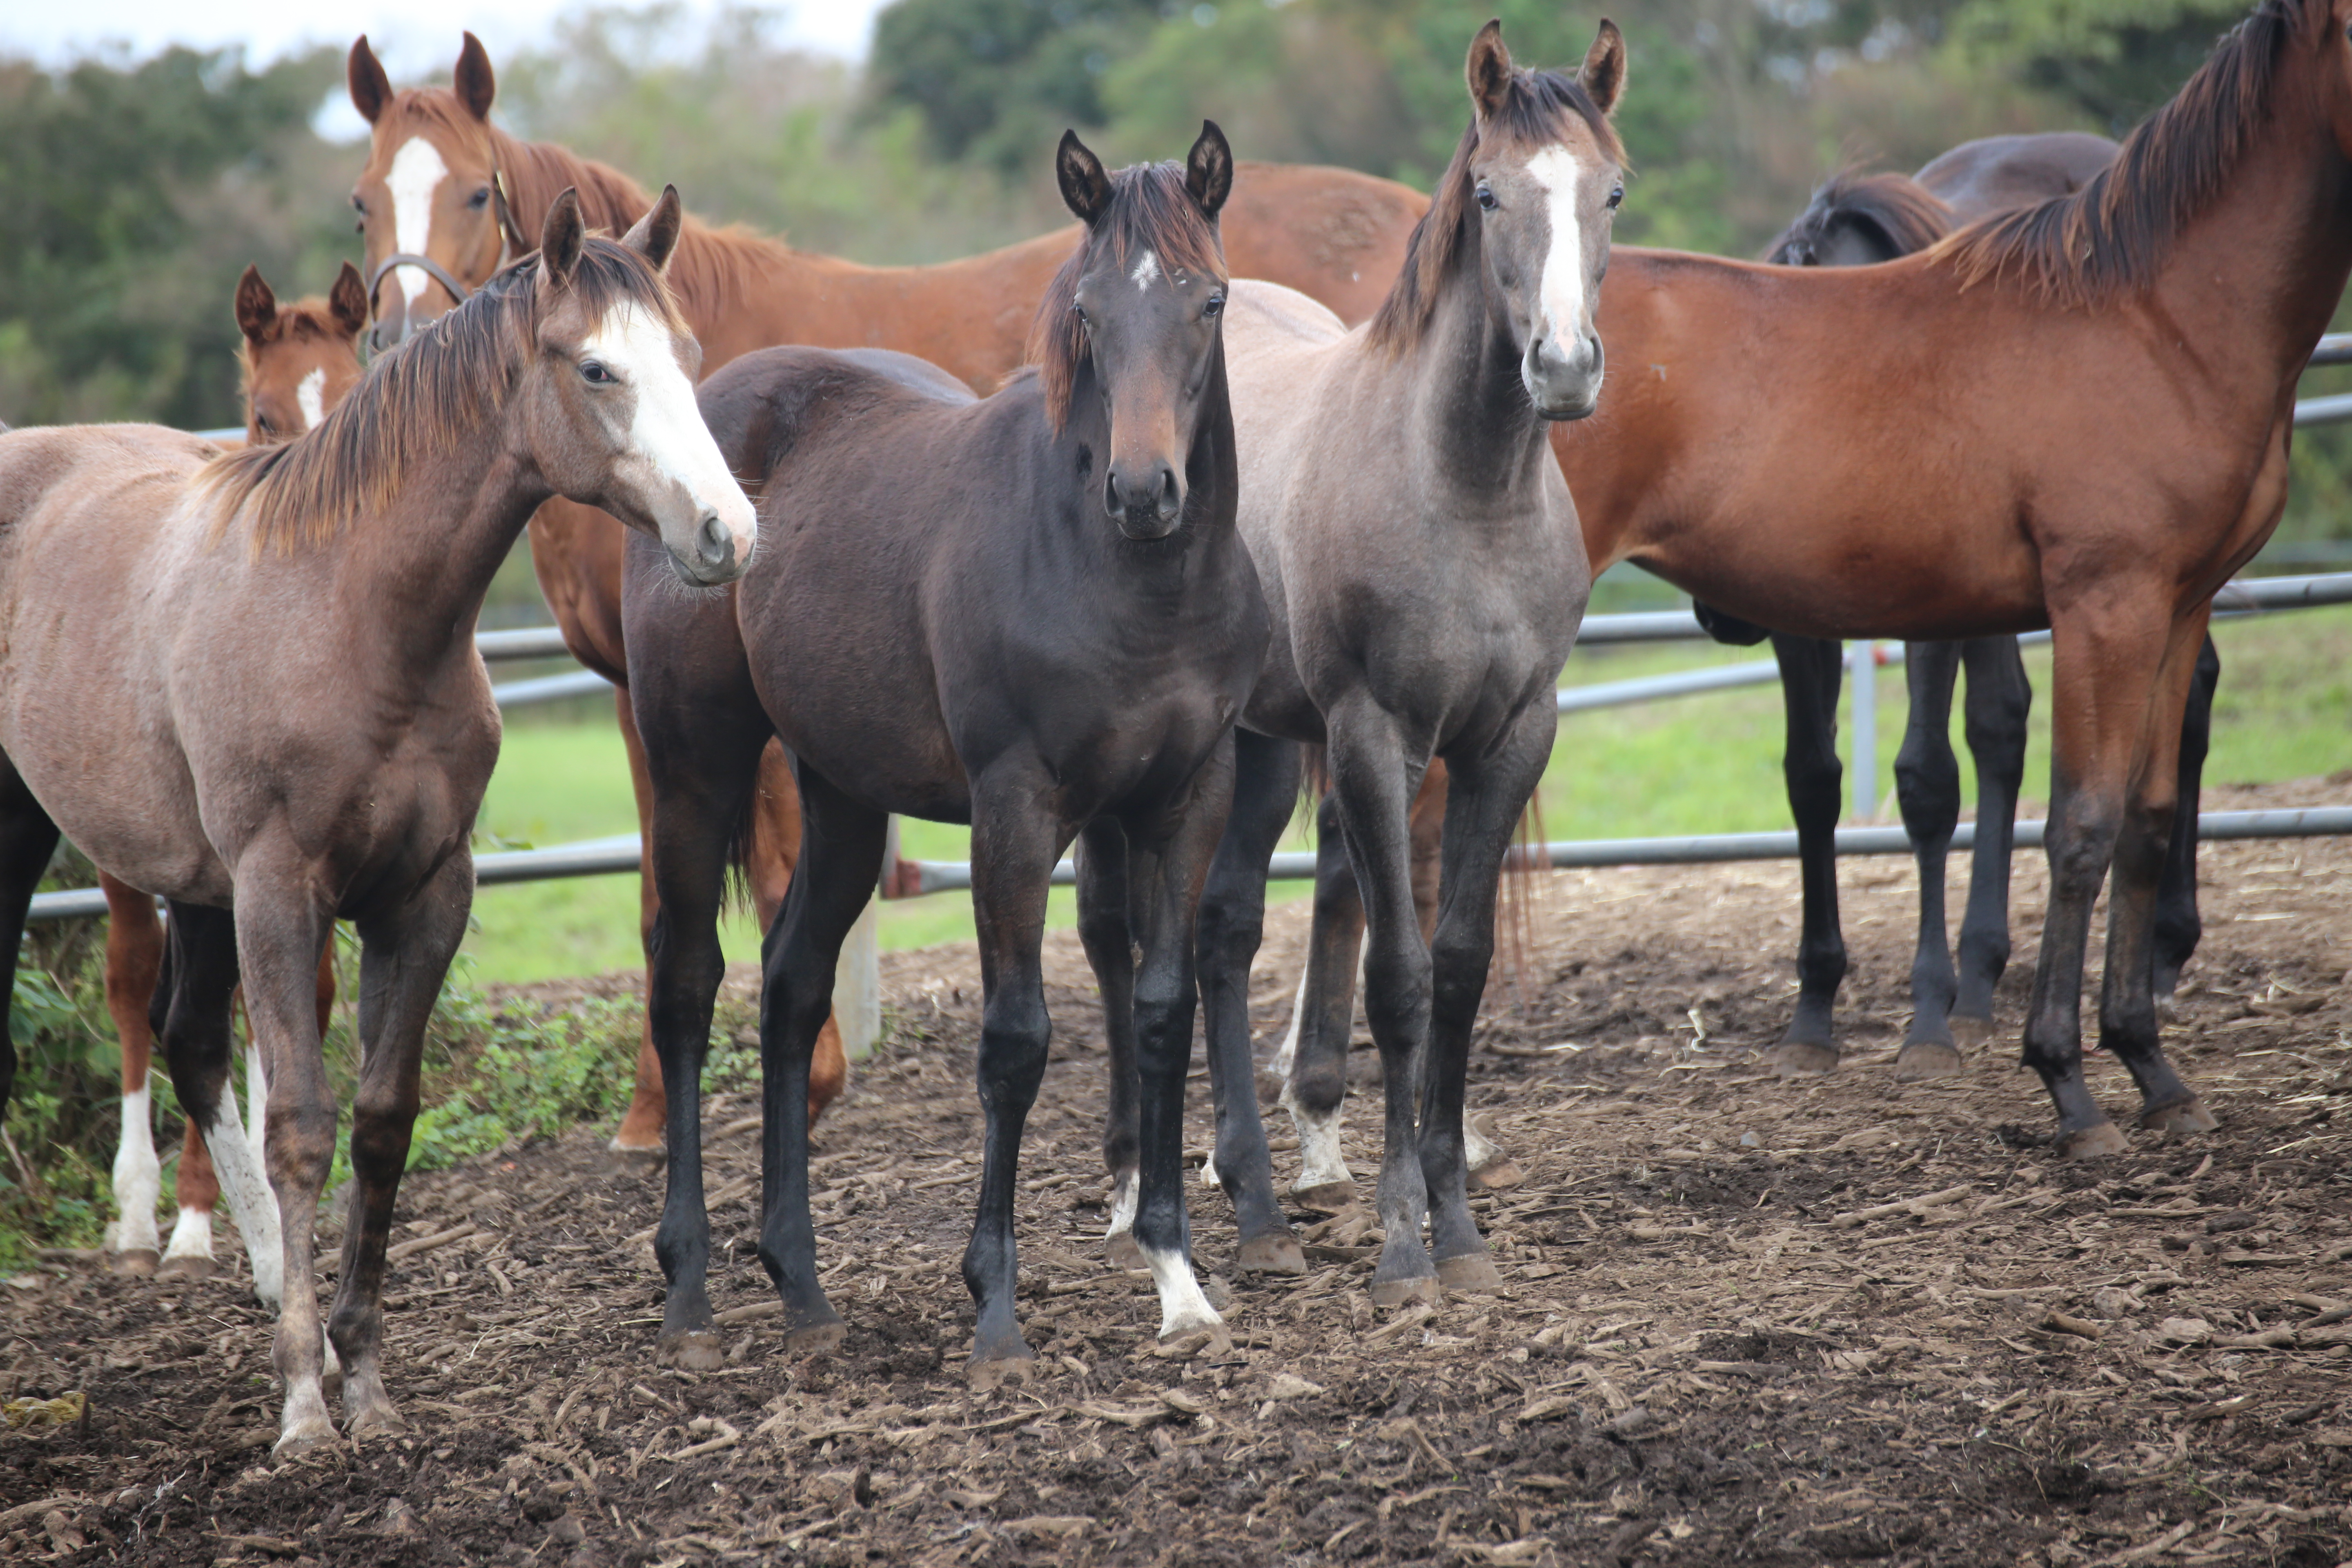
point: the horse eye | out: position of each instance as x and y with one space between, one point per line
595 373
479 199
358 203
1485 195
1215 305
1616 198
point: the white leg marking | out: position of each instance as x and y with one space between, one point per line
309 396
1558 172
1122 1205
256 1098
669 443
1182 1309
138 1177
1287 1052
250 1201
1147 267
1320 1162
192 1235
1478 1151
417 171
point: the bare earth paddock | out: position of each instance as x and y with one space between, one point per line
1725 1338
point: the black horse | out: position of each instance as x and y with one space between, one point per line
1032 613
1858 220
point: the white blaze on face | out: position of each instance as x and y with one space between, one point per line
1147 267
1565 309
311 397
417 171
665 429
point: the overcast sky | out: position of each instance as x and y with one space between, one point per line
415 39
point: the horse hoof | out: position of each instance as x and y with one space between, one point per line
1795 1059
1471 1274
637 1159
988 1376
1405 1292
1496 1174
1120 1251
137 1263
375 1421
193 1267
2182 1116
1969 1033
304 1436
815 1339
1277 1253
2092 1143
1326 1197
1924 1059
696 1350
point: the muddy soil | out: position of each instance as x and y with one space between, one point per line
1746 1321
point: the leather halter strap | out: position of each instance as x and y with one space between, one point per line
509 245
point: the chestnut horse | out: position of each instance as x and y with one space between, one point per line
1031 613
439 203
261 699
298 362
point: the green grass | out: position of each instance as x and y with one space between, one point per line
1701 764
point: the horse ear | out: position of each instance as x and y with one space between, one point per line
655 236
1602 75
1489 70
1085 188
347 301
560 237
1209 169
371 88
256 306
476 83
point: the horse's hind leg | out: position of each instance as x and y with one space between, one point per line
1313 1062
2128 1021
774 851
1231 925
1999 699
27 839
1928 786
1106 933
1485 797
134 958
404 957
2177 924
639 1139
1811 671
840 864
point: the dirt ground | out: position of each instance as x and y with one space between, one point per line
1747 1320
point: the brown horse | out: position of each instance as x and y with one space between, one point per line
298 361
438 203
261 699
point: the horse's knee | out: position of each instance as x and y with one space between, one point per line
1228 928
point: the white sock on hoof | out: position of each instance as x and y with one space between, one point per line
138 1178
1122 1205
1320 1162
1478 1151
1182 1309
250 1201
192 1235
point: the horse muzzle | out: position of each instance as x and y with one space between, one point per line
1146 506
1564 383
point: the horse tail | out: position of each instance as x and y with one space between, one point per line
1896 212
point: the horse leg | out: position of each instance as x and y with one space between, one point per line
639 1139
1170 860
1928 786
2177 924
27 839
1313 1060
1014 847
2127 1022
1261 780
1375 780
1109 936
1492 1169
278 936
1999 699
1811 671
1485 798
2100 701
135 957
775 849
697 783
838 875
403 958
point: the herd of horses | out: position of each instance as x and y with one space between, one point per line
1110 539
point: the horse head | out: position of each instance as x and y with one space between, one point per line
432 205
1133 318
298 359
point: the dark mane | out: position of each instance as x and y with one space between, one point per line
1907 216
414 402
2110 237
1540 106
1150 210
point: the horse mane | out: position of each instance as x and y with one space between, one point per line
414 401
1539 105
1149 209
1908 214
2109 237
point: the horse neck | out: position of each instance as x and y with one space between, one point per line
1471 424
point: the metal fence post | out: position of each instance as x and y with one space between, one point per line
858 974
1864 769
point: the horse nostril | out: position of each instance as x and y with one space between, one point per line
711 544
1168 500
